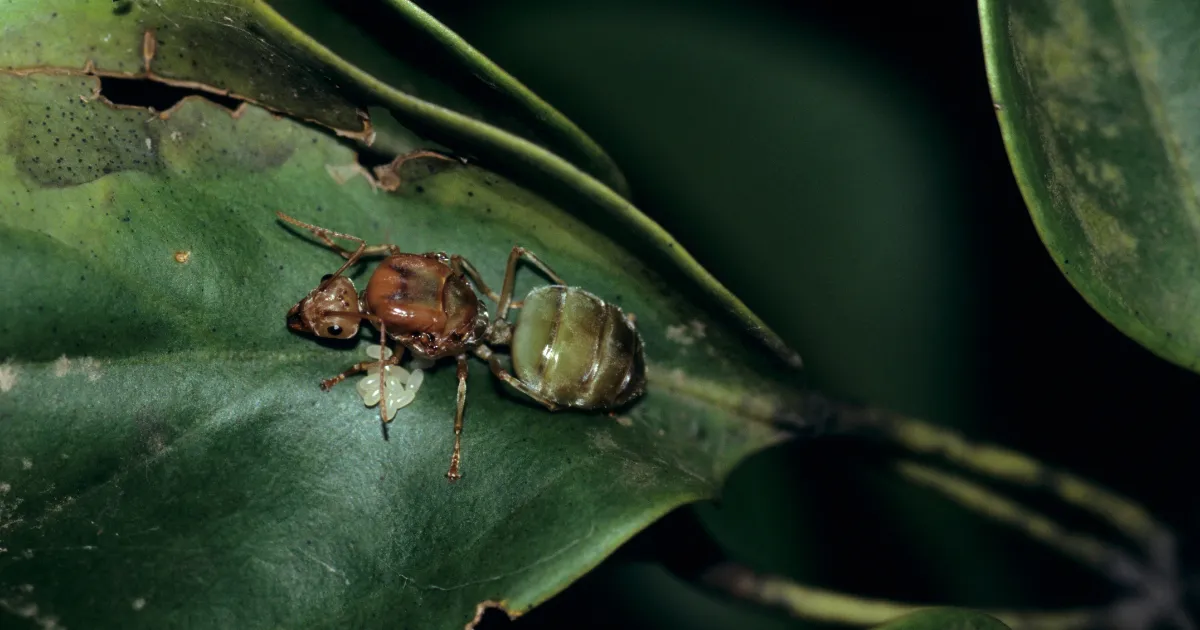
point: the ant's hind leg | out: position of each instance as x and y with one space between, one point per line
510 273
485 353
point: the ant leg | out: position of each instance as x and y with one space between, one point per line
319 232
510 273
461 404
324 234
486 353
462 265
363 251
360 366
382 362
370 250
328 383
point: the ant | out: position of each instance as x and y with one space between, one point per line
569 348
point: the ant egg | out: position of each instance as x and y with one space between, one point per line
402 385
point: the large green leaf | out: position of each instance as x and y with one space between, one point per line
441 77
1096 101
166 458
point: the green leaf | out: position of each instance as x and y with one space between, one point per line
441 76
944 619
1095 102
399 43
167 457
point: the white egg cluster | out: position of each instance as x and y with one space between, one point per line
402 385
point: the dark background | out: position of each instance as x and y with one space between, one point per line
839 167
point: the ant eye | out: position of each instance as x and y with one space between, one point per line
334 330
326 277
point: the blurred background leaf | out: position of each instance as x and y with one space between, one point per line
1095 102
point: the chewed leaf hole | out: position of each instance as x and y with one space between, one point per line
493 619
155 95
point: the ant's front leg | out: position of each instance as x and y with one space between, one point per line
459 408
363 366
351 257
328 383
384 418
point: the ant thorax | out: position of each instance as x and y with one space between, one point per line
402 385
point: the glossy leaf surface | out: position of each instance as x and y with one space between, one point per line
1096 101
167 458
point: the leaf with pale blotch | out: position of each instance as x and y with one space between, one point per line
1096 103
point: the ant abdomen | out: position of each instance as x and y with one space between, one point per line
577 350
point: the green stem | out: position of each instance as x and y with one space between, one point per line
1152 582
814 604
601 165
1104 558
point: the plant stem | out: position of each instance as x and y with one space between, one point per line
1154 589
815 604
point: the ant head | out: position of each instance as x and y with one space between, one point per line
330 311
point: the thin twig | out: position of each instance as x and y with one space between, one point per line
1153 585
815 604
1007 465
1104 558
